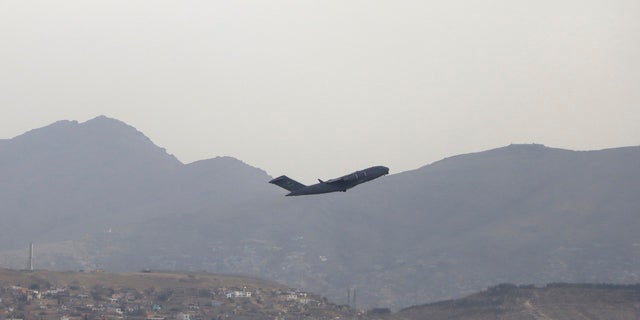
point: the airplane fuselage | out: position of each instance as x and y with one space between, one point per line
339 184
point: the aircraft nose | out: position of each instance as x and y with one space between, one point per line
384 169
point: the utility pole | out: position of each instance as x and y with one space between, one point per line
354 298
30 266
351 298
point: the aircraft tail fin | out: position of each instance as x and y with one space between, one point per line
287 183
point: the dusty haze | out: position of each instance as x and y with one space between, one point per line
316 88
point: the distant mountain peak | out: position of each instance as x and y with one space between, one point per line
110 125
104 120
63 123
226 164
102 117
99 137
58 126
99 124
528 146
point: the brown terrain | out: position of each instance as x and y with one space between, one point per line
154 296
193 296
554 301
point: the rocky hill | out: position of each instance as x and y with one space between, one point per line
554 301
155 295
71 179
100 195
147 295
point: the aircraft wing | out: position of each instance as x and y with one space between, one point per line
333 181
338 181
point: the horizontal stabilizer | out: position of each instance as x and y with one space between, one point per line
287 183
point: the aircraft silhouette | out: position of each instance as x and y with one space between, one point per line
338 184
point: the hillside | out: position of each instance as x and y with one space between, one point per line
166 295
100 195
70 179
555 301
100 295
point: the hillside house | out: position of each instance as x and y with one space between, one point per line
153 316
239 294
299 297
183 316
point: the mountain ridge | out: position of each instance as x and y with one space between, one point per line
519 214
98 165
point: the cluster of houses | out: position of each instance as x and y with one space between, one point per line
17 302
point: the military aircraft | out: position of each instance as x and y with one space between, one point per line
338 184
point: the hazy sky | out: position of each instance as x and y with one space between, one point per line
316 89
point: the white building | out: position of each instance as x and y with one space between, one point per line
239 294
183 316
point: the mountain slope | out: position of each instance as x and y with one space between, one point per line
519 214
70 178
96 295
523 214
554 301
